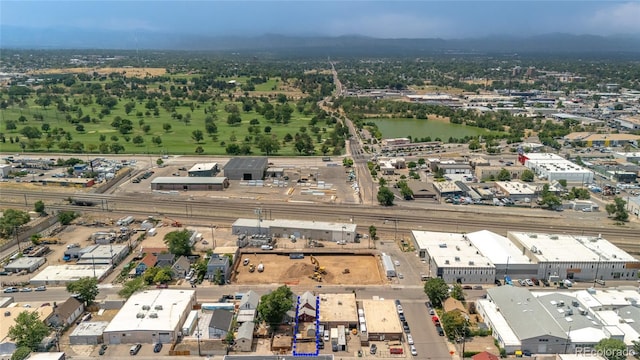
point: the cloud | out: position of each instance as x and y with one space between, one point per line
617 18
389 26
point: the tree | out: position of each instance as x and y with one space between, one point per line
457 292
116 148
527 176
275 304
138 140
437 291
31 132
178 242
385 196
131 287
66 217
612 349
347 162
157 140
269 145
38 207
454 324
163 276
159 162
504 175
28 330
166 127
11 220
21 353
197 136
617 209
372 232
199 150
86 288
636 349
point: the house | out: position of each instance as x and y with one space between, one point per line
220 324
181 267
66 313
165 260
306 315
244 340
307 304
452 304
218 264
148 261
249 301
484 356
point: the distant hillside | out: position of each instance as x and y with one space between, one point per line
61 38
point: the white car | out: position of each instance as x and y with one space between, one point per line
414 352
400 309
397 263
409 339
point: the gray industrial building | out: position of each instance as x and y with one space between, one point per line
189 183
310 230
246 168
29 264
88 333
102 254
204 170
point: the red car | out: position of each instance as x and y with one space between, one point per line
162 286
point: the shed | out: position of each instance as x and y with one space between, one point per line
244 340
30 264
189 183
246 168
220 323
88 333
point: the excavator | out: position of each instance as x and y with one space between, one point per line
174 223
319 269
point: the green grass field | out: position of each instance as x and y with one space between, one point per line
401 127
177 141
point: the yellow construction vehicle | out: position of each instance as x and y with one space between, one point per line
316 276
318 269
252 268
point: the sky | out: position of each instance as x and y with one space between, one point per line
383 19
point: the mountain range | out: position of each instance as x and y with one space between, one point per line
69 38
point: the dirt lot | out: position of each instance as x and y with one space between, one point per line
130 72
281 269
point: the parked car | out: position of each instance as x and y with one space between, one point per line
400 309
402 318
373 349
11 290
409 339
26 289
536 282
414 352
405 327
103 349
157 347
41 288
467 287
529 282
135 349
397 302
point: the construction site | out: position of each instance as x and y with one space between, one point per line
305 269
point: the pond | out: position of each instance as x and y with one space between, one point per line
397 127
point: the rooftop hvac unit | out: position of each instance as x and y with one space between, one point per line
553 237
533 236
471 263
457 247
158 307
457 258
140 315
153 315
446 262
442 245
146 307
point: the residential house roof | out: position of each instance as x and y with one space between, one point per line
182 264
250 300
221 319
484 356
64 310
245 331
452 304
306 311
149 260
165 259
307 300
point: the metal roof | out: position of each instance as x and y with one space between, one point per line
203 167
245 331
247 163
526 316
191 180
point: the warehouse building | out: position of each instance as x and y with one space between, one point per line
491 172
300 229
633 157
103 254
88 333
338 309
246 168
204 170
576 257
195 183
60 275
507 258
447 189
152 316
552 167
515 190
382 320
28 264
453 258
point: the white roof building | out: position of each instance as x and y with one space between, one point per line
63 274
317 230
503 254
576 257
453 257
151 316
554 167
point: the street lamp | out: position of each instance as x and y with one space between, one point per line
213 237
198 334
343 229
